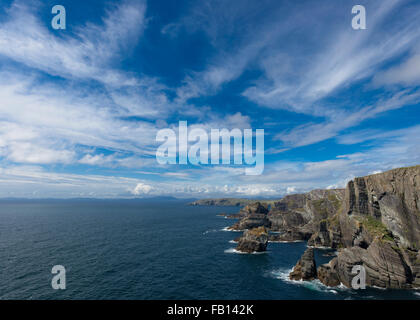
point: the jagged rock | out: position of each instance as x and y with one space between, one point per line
393 197
309 207
298 217
253 208
385 266
328 275
255 215
374 222
382 261
346 260
322 237
254 240
328 234
305 268
380 228
291 235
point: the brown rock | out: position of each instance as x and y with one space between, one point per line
254 240
305 268
327 273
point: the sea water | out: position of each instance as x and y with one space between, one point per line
132 249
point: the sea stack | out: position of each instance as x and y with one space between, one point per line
305 269
254 240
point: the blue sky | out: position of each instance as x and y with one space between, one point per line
80 108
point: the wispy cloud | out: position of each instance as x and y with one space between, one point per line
75 101
338 121
85 55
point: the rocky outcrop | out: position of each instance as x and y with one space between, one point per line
296 217
327 234
305 269
290 236
328 273
379 229
305 213
254 216
374 223
254 240
391 197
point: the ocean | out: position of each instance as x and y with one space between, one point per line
154 249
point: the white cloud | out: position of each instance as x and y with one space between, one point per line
407 73
25 39
346 58
311 133
290 190
141 189
31 153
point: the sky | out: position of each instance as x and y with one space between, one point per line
80 108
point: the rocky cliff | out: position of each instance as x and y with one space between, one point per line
374 222
253 216
378 227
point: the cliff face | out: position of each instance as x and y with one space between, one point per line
301 216
374 222
391 197
253 216
379 227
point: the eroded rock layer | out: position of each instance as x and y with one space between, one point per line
374 222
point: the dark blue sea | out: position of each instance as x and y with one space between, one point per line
130 249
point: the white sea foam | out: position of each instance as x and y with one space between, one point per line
233 250
315 285
283 274
227 229
320 247
380 288
209 231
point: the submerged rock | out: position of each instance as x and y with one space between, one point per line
305 268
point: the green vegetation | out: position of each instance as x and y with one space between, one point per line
376 228
335 201
258 231
334 220
320 208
